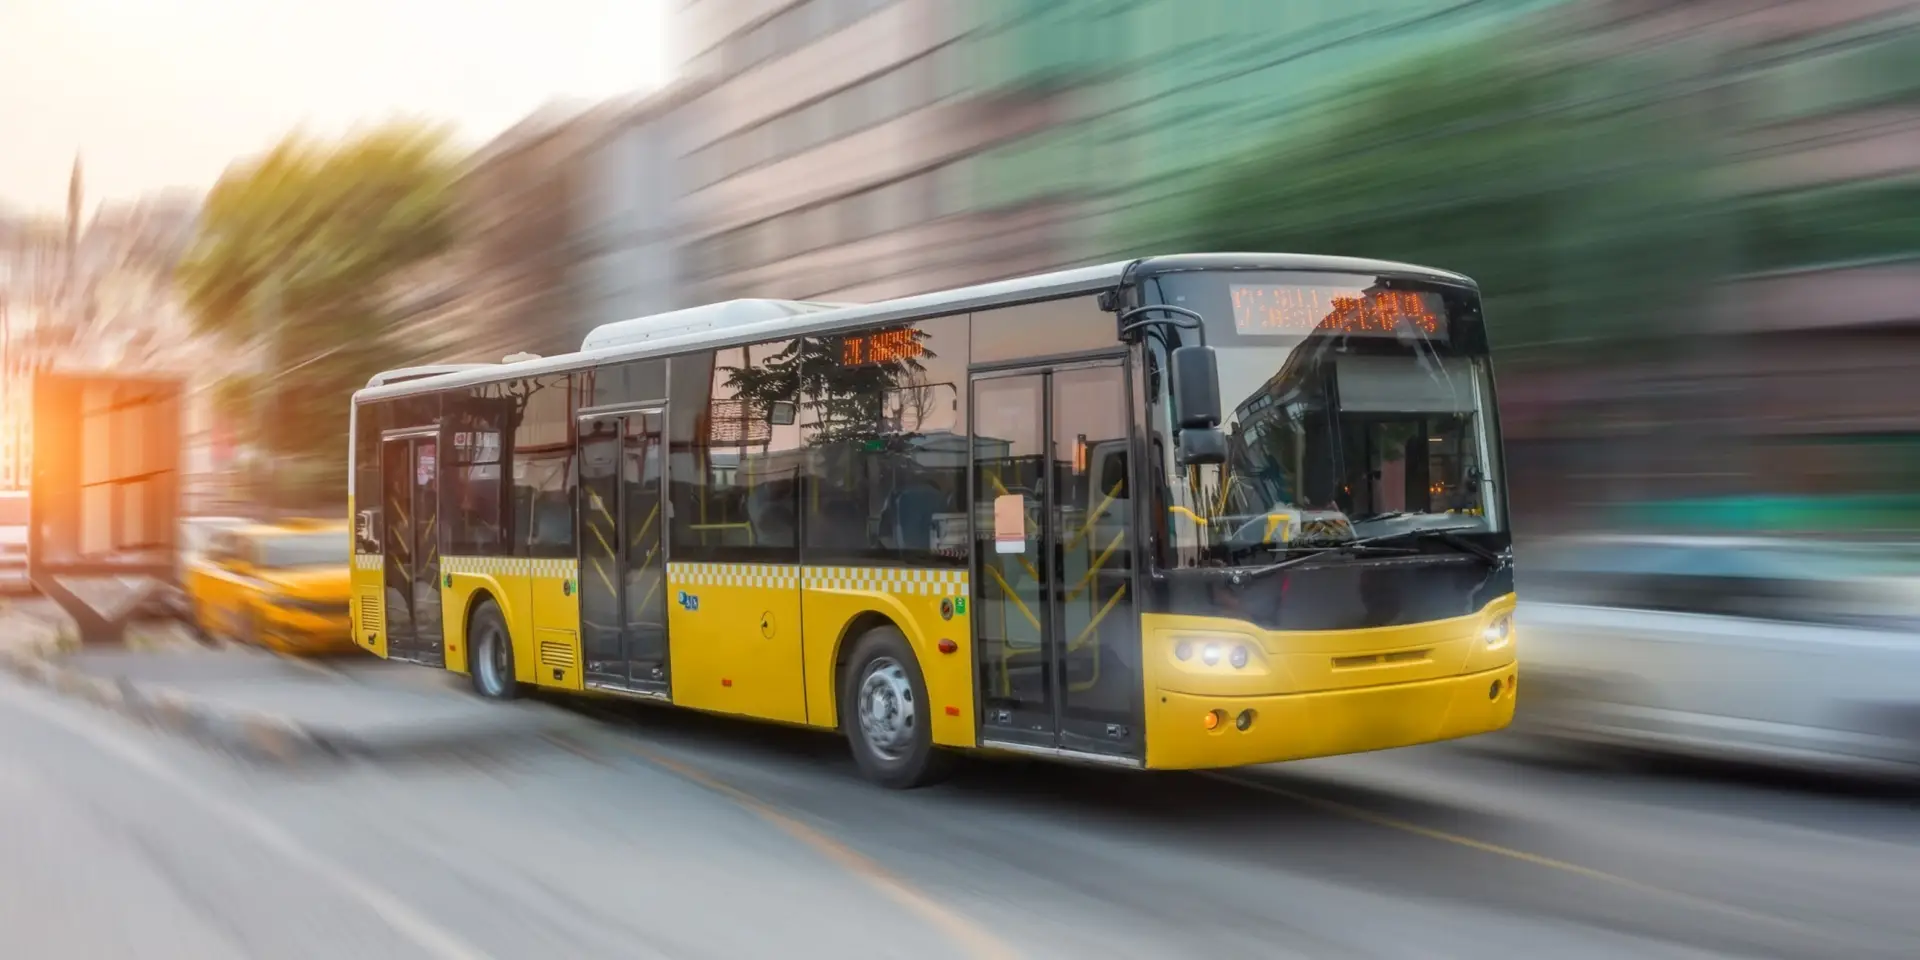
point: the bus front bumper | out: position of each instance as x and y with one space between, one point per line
1327 723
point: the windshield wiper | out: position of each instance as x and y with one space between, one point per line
1447 535
1363 545
1452 538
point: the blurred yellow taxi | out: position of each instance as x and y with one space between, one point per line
281 586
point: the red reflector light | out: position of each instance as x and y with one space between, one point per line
948 646
726 682
953 711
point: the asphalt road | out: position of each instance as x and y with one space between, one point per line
659 834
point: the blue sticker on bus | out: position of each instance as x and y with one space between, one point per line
689 601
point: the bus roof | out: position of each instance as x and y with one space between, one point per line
737 322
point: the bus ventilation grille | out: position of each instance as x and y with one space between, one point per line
369 608
556 654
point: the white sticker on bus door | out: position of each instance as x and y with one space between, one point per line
1010 524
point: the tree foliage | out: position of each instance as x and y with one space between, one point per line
1574 193
296 255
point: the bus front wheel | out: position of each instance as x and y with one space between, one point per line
490 653
885 713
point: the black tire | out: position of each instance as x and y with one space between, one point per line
908 759
490 654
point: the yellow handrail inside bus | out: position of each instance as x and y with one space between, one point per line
1088 632
1098 563
1196 518
1087 527
647 525
1007 589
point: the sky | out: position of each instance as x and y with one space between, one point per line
166 93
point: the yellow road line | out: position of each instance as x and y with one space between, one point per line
975 940
1395 823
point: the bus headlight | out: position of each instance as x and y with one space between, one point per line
1499 632
1211 654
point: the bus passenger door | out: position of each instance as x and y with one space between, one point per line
623 620
1055 632
410 484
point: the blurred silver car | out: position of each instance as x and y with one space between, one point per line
1802 653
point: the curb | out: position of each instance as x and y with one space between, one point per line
253 735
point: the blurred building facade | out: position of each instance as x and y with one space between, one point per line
1798 388
827 152
568 220
97 293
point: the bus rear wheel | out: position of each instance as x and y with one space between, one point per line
884 711
490 653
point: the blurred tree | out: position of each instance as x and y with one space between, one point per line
296 256
1574 192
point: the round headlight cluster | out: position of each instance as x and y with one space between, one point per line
1211 653
1499 632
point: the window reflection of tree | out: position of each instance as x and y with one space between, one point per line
869 431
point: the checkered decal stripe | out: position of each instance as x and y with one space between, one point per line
733 574
511 567
898 580
369 561
926 583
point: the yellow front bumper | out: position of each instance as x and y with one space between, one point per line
1302 725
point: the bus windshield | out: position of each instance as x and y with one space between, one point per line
1355 407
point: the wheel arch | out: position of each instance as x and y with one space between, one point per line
485 592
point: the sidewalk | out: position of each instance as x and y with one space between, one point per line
263 706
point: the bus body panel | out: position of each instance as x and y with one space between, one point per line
508 583
369 604
927 605
1320 693
734 639
553 658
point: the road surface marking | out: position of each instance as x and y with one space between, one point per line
1405 826
436 940
976 940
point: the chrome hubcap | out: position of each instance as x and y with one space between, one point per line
887 709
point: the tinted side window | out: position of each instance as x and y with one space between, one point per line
475 506
1050 328
624 383
418 411
885 436
369 420
542 467
690 457
748 503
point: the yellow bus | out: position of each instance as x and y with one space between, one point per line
1014 517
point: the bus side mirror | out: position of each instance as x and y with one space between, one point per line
1196 388
782 413
1200 446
